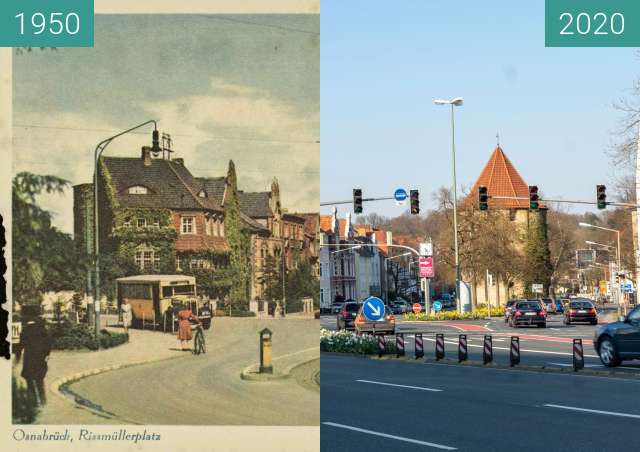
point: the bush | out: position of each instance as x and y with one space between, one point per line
72 336
480 313
349 342
234 313
24 407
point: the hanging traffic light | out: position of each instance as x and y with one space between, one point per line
483 197
357 200
533 197
414 196
601 196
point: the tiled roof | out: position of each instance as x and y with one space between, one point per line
325 223
501 179
311 222
255 204
214 187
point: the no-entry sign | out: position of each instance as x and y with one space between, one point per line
416 308
426 267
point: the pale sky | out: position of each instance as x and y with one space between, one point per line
225 87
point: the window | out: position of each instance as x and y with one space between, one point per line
207 223
321 296
142 222
127 221
221 228
141 291
138 190
156 222
202 194
178 264
147 260
512 214
188 225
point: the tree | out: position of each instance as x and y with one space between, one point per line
538 260
272 278
43 257
301 283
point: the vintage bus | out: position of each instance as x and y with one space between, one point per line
155 300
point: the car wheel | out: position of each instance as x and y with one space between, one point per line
542 325
608 353
566 322
506 320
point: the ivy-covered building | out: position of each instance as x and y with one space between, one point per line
156 217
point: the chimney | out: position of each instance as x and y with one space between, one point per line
146 155
179 161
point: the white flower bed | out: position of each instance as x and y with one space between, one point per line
344 341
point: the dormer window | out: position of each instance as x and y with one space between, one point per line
138 190
202 194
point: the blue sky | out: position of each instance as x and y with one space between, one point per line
381 68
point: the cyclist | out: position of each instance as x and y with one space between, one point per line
185 317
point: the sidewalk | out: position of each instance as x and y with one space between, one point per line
143 346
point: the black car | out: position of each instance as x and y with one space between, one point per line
508 309
620 340
347 315
580 311
528 312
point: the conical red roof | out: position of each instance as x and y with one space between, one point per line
501 179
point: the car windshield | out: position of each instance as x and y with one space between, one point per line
581 304
511 302
352 307
528 305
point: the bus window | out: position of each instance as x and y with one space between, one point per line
183 290
140 291
167 292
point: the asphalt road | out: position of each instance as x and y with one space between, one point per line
207 389
391 405
549 347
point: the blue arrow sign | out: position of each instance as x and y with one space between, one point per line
437 306
400 194
373 309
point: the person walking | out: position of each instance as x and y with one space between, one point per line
36 345
127 316
185 317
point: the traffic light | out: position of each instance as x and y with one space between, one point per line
357 200
414 196
483 197
533 197
601 196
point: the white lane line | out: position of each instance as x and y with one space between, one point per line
571 365
586 410
399 386
386 435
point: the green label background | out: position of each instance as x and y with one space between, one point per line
10 26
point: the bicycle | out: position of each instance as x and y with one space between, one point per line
199 345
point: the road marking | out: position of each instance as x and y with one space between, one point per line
571 365
586 410
386 435
399 386
467 327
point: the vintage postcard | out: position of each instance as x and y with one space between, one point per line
164 225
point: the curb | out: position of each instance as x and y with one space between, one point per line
58 386
250 373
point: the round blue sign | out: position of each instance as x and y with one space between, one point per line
437 305
400 194
373 309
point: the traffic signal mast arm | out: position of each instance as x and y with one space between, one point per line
353 247
386 198
609 203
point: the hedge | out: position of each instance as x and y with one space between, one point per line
76 336
234 313
349 342
481 313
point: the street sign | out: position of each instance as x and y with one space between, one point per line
437 306
373 309
426 249
416 308
537 288
400 196
426 267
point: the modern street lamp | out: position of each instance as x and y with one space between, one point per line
588 225
96 158
455 102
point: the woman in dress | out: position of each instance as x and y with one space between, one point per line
185 317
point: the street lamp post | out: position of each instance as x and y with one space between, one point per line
588 225
455 102
96 158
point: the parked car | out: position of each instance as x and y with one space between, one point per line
347 315
508 309
580 311
400 306
619 341
528 312
387 325
336 306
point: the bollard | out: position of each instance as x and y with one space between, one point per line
514 354
419 347
462 348
578 355
439 346
487 350
399 345
381 345
265 351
